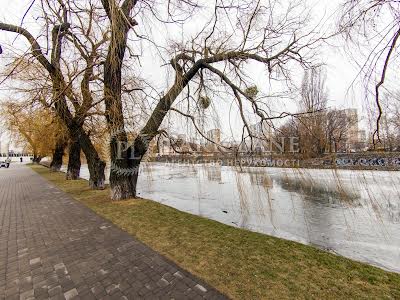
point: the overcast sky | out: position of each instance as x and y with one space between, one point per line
340 69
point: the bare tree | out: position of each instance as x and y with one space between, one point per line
86 37
263 33
373 25
214 62
314 94
395 119
389 122
337 127
61 136
314 98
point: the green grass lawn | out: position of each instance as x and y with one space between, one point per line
239 263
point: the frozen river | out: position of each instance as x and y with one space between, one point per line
352 213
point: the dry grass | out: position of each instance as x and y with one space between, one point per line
241 264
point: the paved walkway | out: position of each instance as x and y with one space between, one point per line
53 247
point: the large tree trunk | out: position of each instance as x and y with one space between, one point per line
124 171
97 175
123 179
58 154
95 164
74 160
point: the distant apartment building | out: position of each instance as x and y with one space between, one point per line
352 138
261 133
389 133
214 137
342 127
352 132
362 136
164 145
362 140
261 130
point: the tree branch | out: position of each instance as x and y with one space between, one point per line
36 49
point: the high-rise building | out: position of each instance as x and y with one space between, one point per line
214 138
362 136
164 146
362 140
349 127
214 135
344 131
352 134
261 130
261 136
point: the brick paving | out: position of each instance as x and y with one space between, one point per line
52 247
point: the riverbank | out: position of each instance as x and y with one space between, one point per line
380 161
241 264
